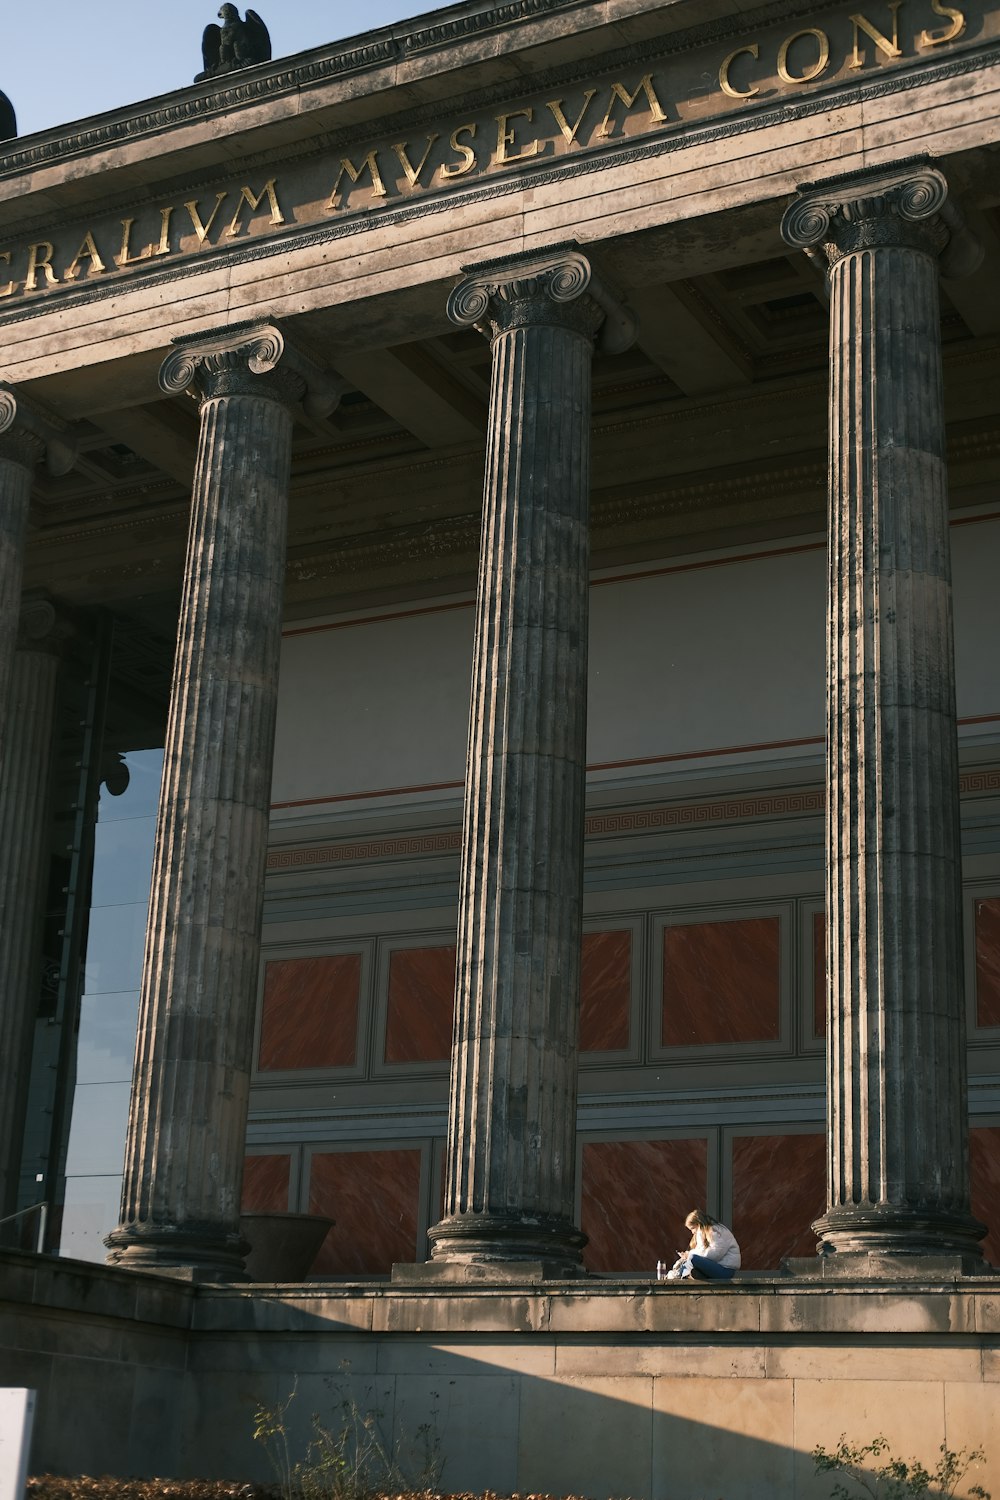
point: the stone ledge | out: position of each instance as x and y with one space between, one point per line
756 1306
75 1286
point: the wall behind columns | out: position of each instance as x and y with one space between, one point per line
709 653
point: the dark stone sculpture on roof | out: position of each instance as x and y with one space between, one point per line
8 120
235 44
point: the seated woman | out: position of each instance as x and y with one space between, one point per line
713 1254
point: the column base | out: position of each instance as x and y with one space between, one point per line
470 1273
874 1229
886 1267
511 1241
187 1252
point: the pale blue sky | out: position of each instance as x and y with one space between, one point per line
67 59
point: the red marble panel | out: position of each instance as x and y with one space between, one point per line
605 991
310 1017
265 1184
819 974
984 1174
988 962
722 982
635 1198
374 1196
779 1189
421 1005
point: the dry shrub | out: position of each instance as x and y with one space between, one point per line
53 1487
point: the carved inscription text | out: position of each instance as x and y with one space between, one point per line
682 91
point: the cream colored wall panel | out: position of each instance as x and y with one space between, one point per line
376 706
673 1361
946 1364
565 1431
670 676
909 1413
743 1424
972 1421
975 555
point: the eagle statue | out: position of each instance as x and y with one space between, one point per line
234 44
8 120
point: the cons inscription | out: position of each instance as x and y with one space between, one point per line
681 91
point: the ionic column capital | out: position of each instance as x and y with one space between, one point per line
907 207
29 434
41 627
559 287
249 359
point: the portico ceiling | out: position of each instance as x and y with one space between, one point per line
710 429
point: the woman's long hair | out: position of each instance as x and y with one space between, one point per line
699 1219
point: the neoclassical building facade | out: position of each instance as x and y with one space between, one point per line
500 530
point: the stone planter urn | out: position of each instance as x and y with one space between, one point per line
283 1246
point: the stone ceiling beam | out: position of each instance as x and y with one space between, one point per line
977 297
418 392
679 338
153 439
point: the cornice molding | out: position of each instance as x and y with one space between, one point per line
594 159
261 82
271 80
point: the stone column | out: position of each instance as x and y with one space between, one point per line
512 1127
187 1124
25 778
898 1132
27 435
21 449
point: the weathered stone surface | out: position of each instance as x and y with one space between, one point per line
898 1147
882 1265
512 1128
748 1372
24 797
19 452
181 1196
27 435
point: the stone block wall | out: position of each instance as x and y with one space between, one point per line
598 1388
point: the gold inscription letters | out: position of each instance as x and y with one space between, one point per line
371 175
949 33
459 169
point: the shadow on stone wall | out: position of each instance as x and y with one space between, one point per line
142 1376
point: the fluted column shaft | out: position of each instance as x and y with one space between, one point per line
19 454
898 1133
27 435
25 777
512 1125
187 1125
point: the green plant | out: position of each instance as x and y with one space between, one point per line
874 1468
348 1460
